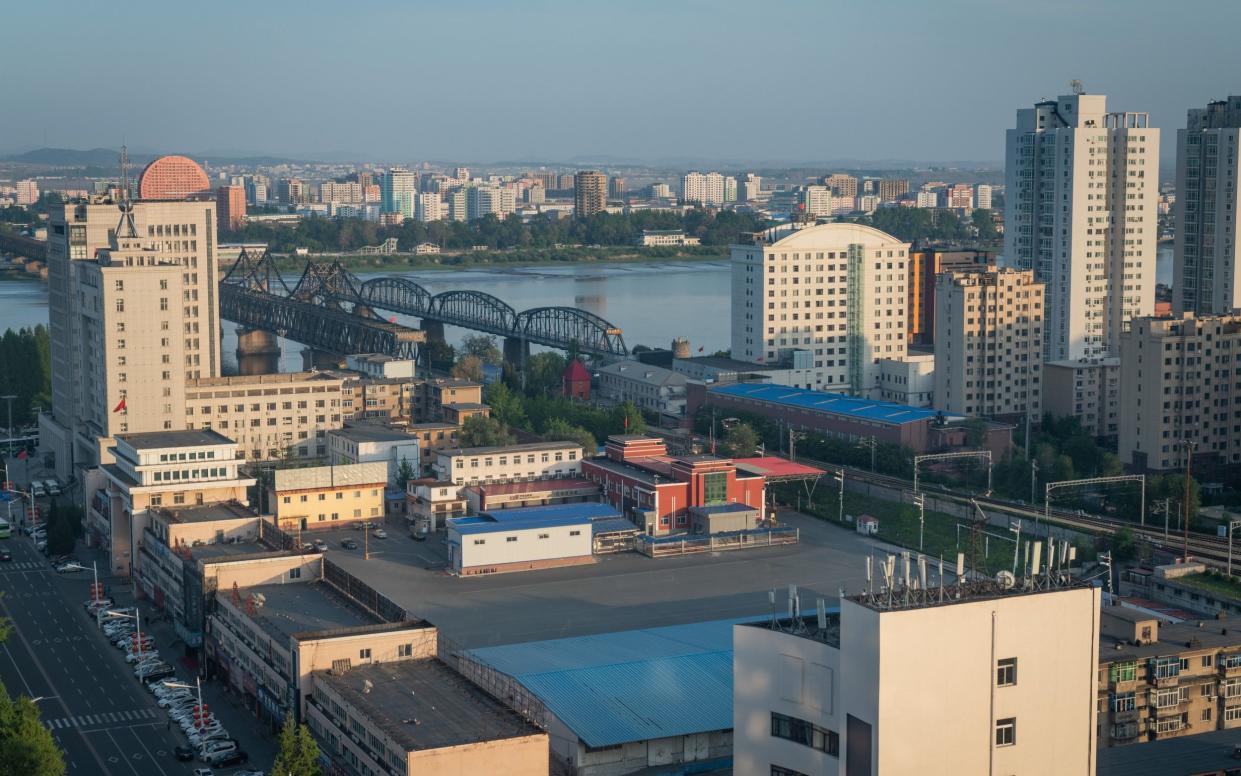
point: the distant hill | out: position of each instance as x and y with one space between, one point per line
70 157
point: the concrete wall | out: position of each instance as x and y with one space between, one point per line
318 654
523 756
508 546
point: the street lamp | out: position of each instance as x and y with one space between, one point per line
137 618
920 500
840 477
9 399
94 568
199 722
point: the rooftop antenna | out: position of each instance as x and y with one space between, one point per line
941 579
1076 86
126 226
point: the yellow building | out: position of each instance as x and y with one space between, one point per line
328 496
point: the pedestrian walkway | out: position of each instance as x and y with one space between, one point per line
107 718
26 566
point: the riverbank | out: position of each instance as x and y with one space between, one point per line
513 258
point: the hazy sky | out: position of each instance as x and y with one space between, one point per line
477 81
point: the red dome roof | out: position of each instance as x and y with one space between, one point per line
172 177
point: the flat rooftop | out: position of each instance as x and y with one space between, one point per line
807 626
223 552
614 688
370 432
152 440
534 486
424 704
1205 753
730 364
207 513
775 468
1173 637
533 517
886 412
303 607
530 447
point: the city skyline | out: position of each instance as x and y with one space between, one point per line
324 88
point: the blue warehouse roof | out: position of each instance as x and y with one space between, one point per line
554 516
832 403
614 688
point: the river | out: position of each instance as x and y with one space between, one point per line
651 302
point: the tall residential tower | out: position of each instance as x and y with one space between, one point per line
1081 199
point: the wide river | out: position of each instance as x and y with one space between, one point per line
651 302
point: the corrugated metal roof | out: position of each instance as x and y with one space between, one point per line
522 518
614 688
370 473
824 401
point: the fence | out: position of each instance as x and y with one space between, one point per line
663 546
363 594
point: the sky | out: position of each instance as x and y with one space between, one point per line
477 81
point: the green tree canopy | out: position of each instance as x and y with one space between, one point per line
560 431
482 431
741 441
506 405
469 368
484 347
627 418
298 754
26 747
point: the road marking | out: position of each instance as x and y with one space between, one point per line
102 721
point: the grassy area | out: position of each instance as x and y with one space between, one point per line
1213 582
941 537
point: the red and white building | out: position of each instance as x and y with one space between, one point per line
656 491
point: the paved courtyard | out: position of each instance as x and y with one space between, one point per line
618 592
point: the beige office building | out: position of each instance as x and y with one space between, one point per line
826 302
1081 202
988 343
1087 389
138 303
1178 382
590 193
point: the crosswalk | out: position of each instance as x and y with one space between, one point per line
25 566
106 718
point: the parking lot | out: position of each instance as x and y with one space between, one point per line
617 592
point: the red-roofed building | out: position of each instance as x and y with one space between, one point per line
173 177
657 491
575 381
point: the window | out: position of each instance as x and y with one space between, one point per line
295 573
575 533
510 538
1006 731
1123 672
715 488
480 541
404 650
1125 701
364 654
1006 672
806 733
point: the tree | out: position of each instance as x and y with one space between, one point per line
543 373
741 441
482 431
484 347
26 747
506 406
61 533
298 754
404 473
627 419
559 430
469 368
1124 547
441 354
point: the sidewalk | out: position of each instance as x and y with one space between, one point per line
252 736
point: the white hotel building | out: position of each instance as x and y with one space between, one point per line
1082 197
827 302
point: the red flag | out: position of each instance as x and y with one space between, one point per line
626 422
22 455
392 319
120 407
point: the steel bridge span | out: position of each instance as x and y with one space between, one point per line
328 295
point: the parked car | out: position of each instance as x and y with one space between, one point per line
36 489
203 772
238 757
320 545
158 672
379 533
349 544
5 556
183 753
52 487
68 568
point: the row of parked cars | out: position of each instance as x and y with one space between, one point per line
41 488
208 740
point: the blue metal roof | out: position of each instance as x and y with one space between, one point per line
554 516
824 401
614 688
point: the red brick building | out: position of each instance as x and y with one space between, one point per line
575 381
230 204
656 491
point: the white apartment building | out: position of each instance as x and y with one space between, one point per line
27 192
707 189
1207 276
130 311
1081 206
827 300
982 196
1179 382
910 380
816 200
514 463
347 193
490 200
429 207
398 188
749 187
366 443
992 682
988 343
928 198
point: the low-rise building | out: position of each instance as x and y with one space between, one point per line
506 495
429 503
418 716
656 491
524 539
575 381
909 381
328 496
370 442
717 369
1159 680
652 238
1086 389
646 385
513 463
172 469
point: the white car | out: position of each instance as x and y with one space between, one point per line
36 489
214 749
145 656
52 487
171 701
379 533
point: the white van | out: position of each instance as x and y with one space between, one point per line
52 487
36 489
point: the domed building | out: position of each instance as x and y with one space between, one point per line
173 177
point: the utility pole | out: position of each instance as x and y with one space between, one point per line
9 399
840 477
1033 483
1189 461
920 500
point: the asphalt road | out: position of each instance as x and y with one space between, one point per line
101 716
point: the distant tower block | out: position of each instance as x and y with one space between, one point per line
680 348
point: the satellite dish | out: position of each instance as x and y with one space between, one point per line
1005 579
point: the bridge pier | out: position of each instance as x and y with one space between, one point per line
320 359
516 352
258 351
434 330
